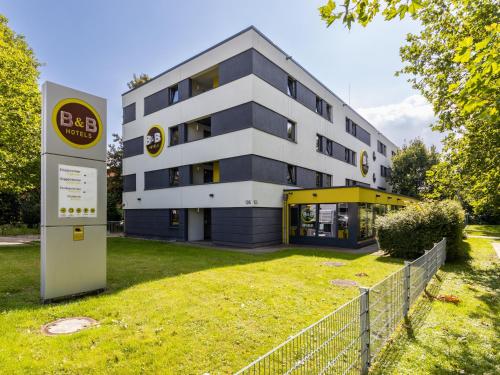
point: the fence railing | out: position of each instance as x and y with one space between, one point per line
347 340
114 227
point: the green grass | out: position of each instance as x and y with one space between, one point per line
174 309
443 338
483 230
17 229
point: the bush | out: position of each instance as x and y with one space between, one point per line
407 233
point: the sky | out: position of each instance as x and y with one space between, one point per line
97 45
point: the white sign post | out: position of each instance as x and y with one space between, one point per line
73 199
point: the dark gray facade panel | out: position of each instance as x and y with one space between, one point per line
269 121
268 170
155 223
232 119
338 151
236 67
132 147
306 96
363 135
242 226
157 179
156 101
129 182
236 169
184 89
129 113
306 178
269 72
184 175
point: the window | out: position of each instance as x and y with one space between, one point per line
319 179
307 220
327 219
291 88
329 147
319 105
329 112
381 148
205 81
129 113
384 171
393 153
173 94
173 135
290 131
351 127
319 143
327 180
350 156
174 217
174 177
366 221
291 177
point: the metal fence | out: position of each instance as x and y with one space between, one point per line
347 340
114 227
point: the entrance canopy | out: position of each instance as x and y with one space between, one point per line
336 216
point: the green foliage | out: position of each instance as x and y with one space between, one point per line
20 107
409 168
138 80
454 62
9 208
114 180
408 232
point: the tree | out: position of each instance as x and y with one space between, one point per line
409 168
453 62
114 170
138 80
20 107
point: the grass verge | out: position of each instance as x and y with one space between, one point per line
444 338
483 230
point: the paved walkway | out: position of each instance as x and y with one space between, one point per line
496 246
19 240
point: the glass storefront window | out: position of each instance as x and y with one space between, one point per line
308 220
327 220
294 220
342 221
366 221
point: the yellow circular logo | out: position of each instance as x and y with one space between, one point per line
363 163
155 140
77 123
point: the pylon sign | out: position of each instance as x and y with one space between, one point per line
73 194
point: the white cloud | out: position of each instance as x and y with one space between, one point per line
404 121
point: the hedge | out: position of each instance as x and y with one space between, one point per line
408 232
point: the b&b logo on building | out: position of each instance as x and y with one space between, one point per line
155 139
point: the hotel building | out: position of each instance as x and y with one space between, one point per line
242 146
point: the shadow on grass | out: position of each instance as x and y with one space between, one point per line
484 281
388 359
135 261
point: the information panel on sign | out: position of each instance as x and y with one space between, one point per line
77 191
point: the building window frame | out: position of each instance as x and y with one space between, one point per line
291 131
174 217
173 94
291 87
319 105
291 178
174 135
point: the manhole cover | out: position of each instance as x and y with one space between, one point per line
67 325
340 282
333 264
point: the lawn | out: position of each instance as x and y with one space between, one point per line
174 309
444 338
17 230
483 230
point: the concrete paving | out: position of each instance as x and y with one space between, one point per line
19 240
496 246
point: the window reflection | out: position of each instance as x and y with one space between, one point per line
327 220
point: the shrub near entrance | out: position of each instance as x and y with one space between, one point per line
407 233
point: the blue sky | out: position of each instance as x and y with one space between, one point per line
96 46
